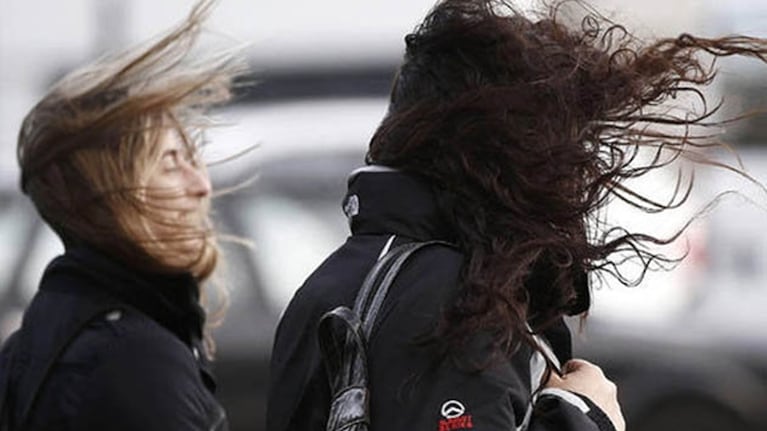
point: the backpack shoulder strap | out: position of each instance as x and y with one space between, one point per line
376 286
344 334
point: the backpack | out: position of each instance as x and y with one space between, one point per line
344 335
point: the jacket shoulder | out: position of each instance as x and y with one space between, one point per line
118 329
125 371
425 285
119 353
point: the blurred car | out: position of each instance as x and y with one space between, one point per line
680 379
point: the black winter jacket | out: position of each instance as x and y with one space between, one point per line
409 390
137 366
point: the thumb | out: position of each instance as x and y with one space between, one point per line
554 381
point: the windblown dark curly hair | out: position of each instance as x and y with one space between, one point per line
526 126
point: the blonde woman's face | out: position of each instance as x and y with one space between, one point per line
177 192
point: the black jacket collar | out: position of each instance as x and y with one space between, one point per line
172 300
382 200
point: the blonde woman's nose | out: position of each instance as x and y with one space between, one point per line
198 182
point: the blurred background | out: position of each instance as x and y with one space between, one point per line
688 348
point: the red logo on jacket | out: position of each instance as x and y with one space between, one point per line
455 417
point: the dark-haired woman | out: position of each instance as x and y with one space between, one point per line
506 133
115 338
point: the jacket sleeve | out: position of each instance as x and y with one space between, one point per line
148 381
495 399
558 409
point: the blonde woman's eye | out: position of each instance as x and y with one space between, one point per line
170 160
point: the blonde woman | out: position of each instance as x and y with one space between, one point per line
115 337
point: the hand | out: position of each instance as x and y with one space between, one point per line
587 379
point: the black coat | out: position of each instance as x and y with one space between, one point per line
411 389
136 366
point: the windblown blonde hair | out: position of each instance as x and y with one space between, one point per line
84 147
